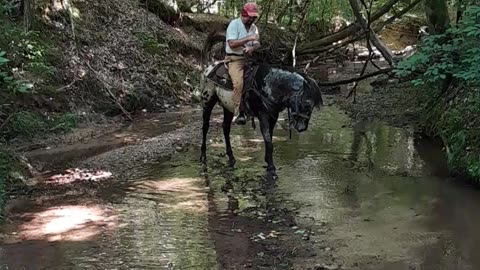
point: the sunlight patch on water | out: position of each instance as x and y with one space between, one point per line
182 194
73 175
66 223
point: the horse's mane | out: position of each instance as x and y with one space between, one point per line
312 89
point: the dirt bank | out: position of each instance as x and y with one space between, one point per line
381 98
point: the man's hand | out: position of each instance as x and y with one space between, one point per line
253 37
248 50
241 42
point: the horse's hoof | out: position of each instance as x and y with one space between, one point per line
272 174
203 159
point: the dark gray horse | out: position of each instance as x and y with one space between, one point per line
271 91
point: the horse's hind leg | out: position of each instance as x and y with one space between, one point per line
207 112
227 123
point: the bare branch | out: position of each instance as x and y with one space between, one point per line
314 46
378 27
356 79
110 93
304 13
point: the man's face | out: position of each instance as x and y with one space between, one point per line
247 20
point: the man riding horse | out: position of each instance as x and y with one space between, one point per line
241 40
271 89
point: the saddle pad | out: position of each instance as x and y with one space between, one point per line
219 75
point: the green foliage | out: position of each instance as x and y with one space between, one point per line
323 14
9 165
63 123
4 78
8 82
26 124
151 44
454 113
25 70
457 122
455 53
28 58
7 8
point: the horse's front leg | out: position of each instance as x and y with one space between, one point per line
266 127
207 112
227 123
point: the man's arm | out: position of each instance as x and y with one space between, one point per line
256 44
235 43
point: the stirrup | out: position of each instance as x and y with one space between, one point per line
240 120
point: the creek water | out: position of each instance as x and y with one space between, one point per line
382 192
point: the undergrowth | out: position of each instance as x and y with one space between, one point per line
27 71
448 70
27 124
24 59
9 166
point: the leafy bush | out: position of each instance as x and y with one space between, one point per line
26 124
8 166
455 53
7 8
28 58
452 113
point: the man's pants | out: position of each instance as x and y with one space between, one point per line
235 65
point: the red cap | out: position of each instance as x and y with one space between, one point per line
250 9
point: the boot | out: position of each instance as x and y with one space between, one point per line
240 118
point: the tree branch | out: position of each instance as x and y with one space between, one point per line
110 93
312 47
370 51
378 27
304 13
356 79
372 37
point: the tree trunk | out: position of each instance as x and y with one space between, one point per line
166 10
437 16
28 13
372 36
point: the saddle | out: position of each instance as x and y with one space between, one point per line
219 75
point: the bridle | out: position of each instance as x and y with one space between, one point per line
296 96
295 113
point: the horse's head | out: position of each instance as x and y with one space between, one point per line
302 102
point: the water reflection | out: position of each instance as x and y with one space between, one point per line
158 222
379 195
381 189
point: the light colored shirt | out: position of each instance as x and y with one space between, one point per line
236 30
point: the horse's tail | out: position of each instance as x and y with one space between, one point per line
216 35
